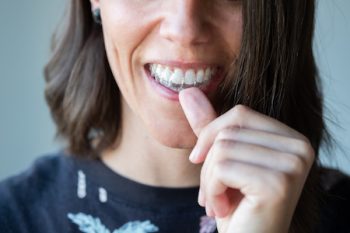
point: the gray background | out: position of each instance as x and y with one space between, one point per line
27 131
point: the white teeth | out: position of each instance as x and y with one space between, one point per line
207 75
158 71
200 76
165 76
190 77
153 69
177 79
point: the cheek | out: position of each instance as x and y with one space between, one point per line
123 21
230 25
122 36
233 34
117 29
238 32
122 26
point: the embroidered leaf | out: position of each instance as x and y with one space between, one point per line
207 224
137 227
87 223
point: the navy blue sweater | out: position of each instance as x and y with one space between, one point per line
61 193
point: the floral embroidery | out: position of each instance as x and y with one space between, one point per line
207 225
89 224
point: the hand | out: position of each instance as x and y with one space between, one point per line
254 166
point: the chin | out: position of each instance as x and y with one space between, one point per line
175 138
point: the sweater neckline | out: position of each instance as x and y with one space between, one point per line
132 191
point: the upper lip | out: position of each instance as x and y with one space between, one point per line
186 64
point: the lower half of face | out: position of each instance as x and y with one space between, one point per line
154 52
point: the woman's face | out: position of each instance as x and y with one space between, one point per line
157 47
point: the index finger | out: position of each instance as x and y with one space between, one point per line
242 117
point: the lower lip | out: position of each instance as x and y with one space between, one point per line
173 95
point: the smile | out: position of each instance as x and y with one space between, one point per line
177 79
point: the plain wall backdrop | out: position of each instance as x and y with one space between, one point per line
27 131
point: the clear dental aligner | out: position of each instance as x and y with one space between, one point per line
178 79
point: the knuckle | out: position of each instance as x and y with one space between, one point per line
240 109
223 134
221 146
239 112
259 205
233 130
297 165
305 149
228 133
310 154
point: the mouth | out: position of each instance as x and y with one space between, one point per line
180 78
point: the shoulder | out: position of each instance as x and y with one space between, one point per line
335 201
41 172
22 193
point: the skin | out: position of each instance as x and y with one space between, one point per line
250 168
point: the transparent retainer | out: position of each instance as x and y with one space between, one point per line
179 87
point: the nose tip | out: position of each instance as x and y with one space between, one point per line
185 24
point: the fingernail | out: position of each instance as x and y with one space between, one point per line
194 154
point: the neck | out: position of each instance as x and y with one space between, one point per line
141 158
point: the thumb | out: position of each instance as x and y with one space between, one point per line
197 108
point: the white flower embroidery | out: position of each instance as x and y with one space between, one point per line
89 224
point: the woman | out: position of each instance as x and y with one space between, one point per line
138 87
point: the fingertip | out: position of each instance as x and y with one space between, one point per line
196 159
194 154
201 198
185 94
192 160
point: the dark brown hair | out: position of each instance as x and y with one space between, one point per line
80 88
275 74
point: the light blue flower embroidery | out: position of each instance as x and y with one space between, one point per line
207 224
89 224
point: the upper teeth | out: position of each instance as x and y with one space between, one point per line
176 77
